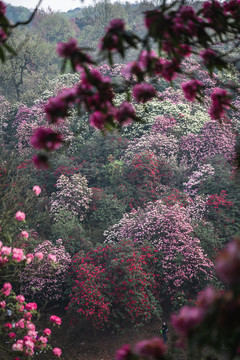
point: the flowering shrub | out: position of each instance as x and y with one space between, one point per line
44 280
115 285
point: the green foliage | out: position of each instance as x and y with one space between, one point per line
25 76
53 27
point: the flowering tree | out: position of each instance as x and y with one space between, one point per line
44 279
185 266
214 139
72 197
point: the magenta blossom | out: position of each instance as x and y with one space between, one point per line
20 299
124 353
220 102
67 49
125 114
52 257
143 92
153 348
2 8
46 138
20 216
29 258
31 306
40 161
169 70
12 335
2 304
56 109
187 319
3 36
116 24
191 88
6 250
17 255
39 255
47 332
97 120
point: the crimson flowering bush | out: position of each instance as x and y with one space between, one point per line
115 285
145 172
44 280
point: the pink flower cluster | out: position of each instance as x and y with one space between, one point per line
187 319
95 93
143 92
15 254
6 289
55 320
20 216
149 62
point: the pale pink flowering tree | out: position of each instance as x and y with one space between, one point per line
185 265
72 197
213 139
44 279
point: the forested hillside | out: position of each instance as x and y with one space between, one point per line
133 219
